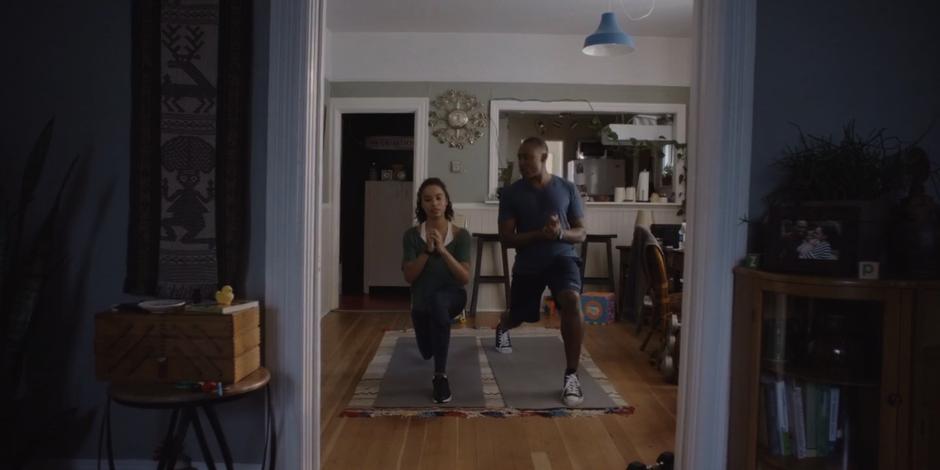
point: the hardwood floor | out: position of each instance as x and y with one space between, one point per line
592 443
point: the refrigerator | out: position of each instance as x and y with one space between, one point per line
597 176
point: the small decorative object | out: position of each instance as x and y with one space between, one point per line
620 194
630 194
398 172
373 172
386 175
752 260
458 119
654 197
162 305
225 296
643 186
868 269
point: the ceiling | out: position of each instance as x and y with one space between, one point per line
669 18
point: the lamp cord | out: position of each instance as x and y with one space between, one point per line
648 13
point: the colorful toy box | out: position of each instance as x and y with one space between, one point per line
598 308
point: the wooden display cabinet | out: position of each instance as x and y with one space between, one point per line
829 373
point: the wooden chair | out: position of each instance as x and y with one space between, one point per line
658 292
664 315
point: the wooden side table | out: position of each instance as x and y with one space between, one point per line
184 405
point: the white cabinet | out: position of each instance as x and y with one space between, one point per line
389 212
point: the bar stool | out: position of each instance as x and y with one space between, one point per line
609 278
479 278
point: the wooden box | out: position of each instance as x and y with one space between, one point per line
145 347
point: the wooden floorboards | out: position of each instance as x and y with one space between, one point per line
350 339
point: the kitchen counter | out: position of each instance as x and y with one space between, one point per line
600 218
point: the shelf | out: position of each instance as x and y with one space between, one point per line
809 375
793 463
835 282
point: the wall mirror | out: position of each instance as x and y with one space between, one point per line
598 145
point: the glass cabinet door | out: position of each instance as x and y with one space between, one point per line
819 400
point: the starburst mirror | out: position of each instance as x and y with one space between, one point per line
457 119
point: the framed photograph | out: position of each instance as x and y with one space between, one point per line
814 239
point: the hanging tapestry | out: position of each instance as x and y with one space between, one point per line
190 147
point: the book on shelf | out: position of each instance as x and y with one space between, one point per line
809 407
783 417
800 419
768 390
215 307
833 414
797 414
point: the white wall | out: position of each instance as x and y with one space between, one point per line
528 58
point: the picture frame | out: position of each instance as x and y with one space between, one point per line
820 239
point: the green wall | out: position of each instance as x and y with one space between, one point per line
471 184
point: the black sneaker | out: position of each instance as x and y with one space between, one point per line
503 343
571 393
441 389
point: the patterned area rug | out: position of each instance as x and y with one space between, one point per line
366 399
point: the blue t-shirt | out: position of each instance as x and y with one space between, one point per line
532 207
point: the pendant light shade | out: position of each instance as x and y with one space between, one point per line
609 39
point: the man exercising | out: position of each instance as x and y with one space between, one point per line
541 217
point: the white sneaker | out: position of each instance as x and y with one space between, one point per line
503 343
571 393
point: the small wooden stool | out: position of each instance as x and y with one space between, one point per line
478 277
609 278
184 405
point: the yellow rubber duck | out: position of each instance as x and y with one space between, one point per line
225 296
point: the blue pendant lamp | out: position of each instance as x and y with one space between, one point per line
609 39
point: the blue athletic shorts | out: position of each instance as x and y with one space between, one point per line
526 292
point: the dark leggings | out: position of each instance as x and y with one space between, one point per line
431 321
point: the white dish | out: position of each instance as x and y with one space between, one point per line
162 305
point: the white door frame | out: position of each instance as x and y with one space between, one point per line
292 218
338 106
718 191
719 169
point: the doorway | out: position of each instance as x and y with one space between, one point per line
392 133
377 165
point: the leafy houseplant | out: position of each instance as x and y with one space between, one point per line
856 168
28 259
846 188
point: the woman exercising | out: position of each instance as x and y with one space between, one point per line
436 262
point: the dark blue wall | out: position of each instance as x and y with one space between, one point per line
821 64
72 60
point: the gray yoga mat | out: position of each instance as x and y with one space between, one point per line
532 376
407 381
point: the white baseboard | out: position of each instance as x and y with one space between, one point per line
137 464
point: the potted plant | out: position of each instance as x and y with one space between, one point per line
831 207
